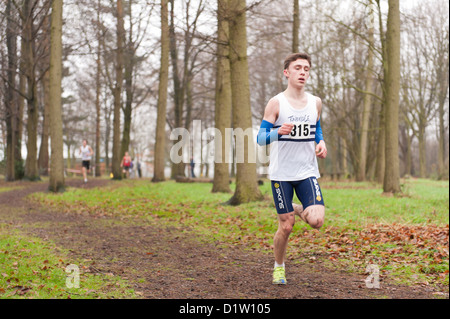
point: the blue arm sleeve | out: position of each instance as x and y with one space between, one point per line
265 134
319 134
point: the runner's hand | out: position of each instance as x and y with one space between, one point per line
285 129
321 150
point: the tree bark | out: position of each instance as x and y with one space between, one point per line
117 156
222 102
295 27
179 90
392 176
43 160
160 139
130 54
97 99
361 171
10 97
56 131
31 164
246 182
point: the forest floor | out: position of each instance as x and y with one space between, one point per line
159 262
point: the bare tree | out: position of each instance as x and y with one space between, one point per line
116 155
56 132
392 175
246 185
10 96
222 100
160 140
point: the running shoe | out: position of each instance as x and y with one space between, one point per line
279 276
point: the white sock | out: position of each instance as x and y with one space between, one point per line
278 265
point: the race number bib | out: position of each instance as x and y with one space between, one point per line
300 131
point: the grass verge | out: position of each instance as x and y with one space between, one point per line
34 269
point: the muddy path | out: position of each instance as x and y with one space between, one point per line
164 263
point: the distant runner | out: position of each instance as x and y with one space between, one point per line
86 154
126 165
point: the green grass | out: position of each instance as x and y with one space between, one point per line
34 269
402 234
422 202
7 189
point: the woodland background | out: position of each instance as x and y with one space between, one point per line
132 71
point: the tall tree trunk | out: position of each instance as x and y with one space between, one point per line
223 102
128 76
443 80
408 166
246 182
295 27
10 97
361 170
56 131
392 175
19 167
381 139
160 140
97 98
422 148
43 160
117 156
31 165
179 89
344 162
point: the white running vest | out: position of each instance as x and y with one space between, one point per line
85 153
293 157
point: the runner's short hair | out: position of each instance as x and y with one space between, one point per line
294 57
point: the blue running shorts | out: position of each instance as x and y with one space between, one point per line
308 192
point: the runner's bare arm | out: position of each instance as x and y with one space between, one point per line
321 148
271 115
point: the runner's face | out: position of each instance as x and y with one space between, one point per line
298 73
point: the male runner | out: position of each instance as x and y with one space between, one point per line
86 153
292 122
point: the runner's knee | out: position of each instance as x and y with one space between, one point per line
316 222
286 223
315 216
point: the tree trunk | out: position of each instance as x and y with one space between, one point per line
422 149
246 182
129 70
223 103
179 90
160 139
97 99
362 162
56 131
31 164
10 97
19 167
392 175
295 27
380 160
443 80
117 156
43 160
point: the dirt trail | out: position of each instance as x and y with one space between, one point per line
161 262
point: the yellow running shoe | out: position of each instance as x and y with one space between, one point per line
279 276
